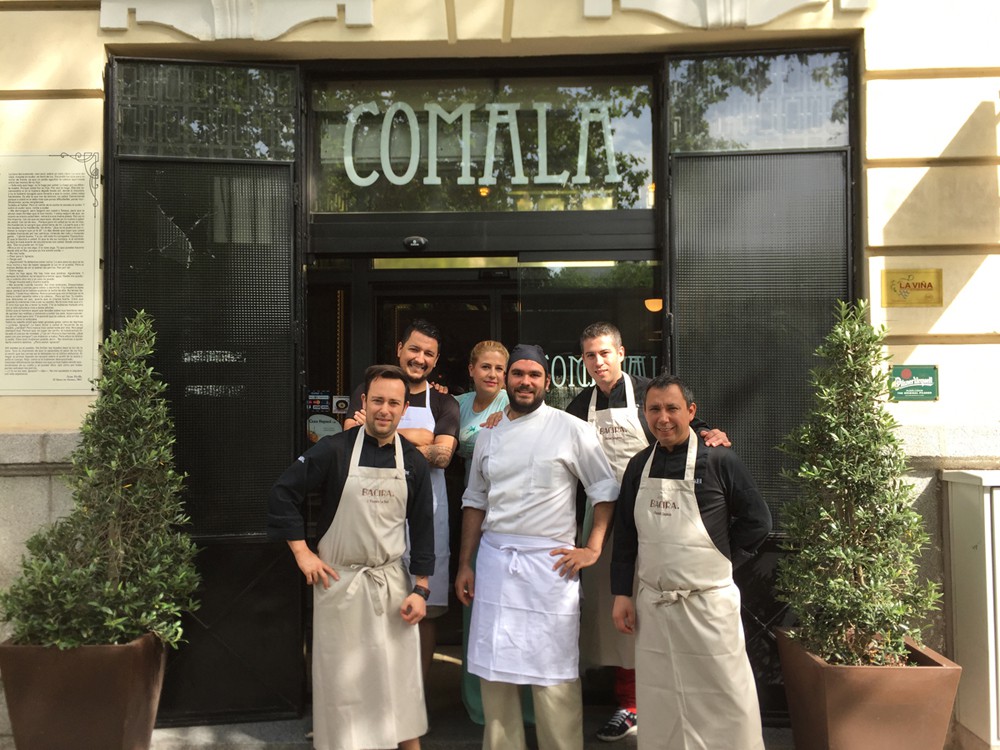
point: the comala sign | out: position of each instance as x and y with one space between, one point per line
500 117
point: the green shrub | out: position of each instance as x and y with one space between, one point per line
118 565
852 578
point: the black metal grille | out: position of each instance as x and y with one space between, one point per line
207 249
761 253
204 110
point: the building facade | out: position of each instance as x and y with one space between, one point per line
285 185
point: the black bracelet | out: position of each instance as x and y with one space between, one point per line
423 591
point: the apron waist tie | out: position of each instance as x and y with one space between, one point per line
514 545
376 576
666 598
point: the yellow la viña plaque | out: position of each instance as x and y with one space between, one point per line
909 287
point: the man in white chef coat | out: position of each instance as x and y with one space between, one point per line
687 514
519 511
367 686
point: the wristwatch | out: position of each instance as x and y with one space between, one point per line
423 591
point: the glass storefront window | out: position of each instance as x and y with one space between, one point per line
205 111
483 145
558 299
759 102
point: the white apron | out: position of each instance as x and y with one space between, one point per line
525 618
421 417
694 685
620 433
367 686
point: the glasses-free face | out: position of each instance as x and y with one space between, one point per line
384 405
668 415
603 361
526 385
417 356
488 373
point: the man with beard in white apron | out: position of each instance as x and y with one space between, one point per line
519 512
367 685
613 405
431 423
686 515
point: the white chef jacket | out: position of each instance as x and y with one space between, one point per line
524 474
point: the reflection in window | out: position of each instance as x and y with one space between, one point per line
205 111
759 102
559 299
483 145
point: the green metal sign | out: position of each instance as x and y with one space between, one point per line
914 383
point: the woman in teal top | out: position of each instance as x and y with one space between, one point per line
487 365
487 368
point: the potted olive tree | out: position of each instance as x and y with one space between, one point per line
855 673
101 591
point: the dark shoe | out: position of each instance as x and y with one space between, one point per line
622 724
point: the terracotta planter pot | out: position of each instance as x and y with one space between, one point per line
835 707
92 696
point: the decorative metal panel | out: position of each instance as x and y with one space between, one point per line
760 247
204 111
207 249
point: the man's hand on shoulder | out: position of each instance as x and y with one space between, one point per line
715 438
493 420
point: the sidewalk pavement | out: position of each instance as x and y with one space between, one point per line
450 727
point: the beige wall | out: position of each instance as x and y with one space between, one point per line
928 104
930 188
931 112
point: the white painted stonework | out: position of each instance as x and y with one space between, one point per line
208 20
715 14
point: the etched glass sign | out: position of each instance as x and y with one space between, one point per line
483 145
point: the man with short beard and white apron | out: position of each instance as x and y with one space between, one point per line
694 683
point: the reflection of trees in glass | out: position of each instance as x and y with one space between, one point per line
832 76
336 192
696 85
206 111
622 275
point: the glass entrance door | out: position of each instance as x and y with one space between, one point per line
558 299
465 317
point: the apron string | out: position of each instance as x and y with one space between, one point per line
374 575
666 598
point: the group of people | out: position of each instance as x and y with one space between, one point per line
658 599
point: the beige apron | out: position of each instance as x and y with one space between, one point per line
621 436
367 688
421 417
525 623
694 685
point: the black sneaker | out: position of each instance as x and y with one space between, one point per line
622 724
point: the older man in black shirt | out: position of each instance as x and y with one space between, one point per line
687 514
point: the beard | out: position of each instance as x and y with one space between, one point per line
522 408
